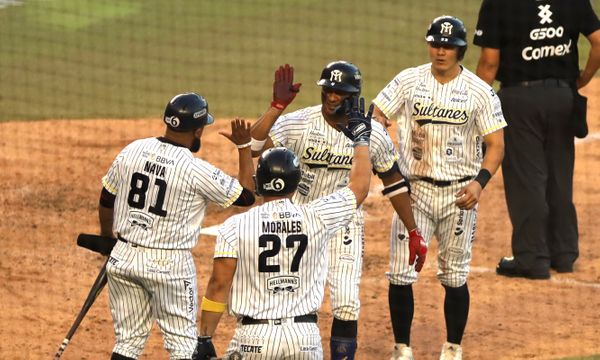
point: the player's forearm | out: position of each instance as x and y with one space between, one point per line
208 322
489 62
593 62
246 169
401 204
105 216
360 174
494 152
260 129
213 303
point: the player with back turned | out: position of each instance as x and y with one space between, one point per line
325 161
270 262
445 113
153 201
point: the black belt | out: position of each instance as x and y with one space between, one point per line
444 183
539 83
308 318
125 241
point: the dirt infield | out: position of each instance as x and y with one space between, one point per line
50 179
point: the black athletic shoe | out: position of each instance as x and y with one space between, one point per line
508 267
562 268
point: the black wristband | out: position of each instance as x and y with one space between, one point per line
483 176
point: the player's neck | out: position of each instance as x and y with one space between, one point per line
268 198
444 76
183 139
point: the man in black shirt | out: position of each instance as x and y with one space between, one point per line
530 46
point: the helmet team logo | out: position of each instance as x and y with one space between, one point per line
276 184
336 75
173 121
341 75
446 29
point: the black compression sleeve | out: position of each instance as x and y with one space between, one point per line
107 199
246 198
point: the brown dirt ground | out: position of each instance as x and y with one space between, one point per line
51 174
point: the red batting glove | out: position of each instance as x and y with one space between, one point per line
417 249
284 90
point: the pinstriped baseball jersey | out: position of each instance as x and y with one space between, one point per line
326 153
281 252
437 123
162 192
325 160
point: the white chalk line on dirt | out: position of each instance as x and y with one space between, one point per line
591 137
555 279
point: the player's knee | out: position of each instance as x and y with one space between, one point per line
346 312
127 351
407 277
453 280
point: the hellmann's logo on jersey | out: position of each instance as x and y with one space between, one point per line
433 114
284 283
323 157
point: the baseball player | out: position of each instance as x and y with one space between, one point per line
445 113
273 257
153 201
325 161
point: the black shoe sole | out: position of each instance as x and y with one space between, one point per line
525 276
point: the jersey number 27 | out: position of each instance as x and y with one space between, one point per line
290 242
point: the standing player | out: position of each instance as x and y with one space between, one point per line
325 160
531 48
273 257
153 199
445 112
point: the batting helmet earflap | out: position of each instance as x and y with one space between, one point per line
448 30
187 112
277 172
341 75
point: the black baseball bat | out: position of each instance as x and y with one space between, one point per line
94 292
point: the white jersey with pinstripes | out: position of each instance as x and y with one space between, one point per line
162 192
440 126
281 251
326 153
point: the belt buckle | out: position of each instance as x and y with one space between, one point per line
277 322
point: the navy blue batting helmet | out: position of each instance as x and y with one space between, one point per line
341 75
277 172
187 112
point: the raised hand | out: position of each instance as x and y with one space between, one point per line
359 124
284 89
417 249
240 133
